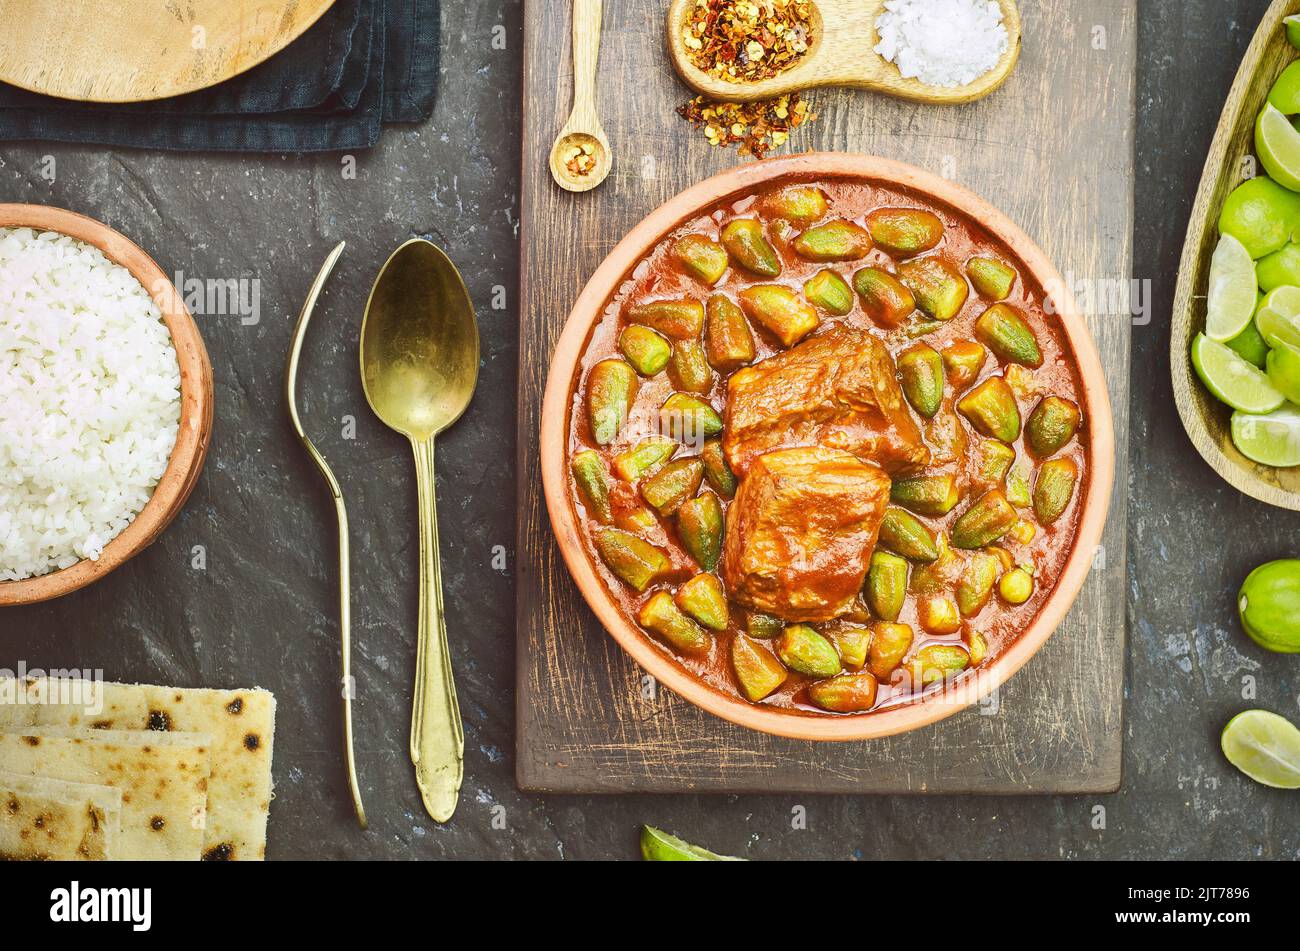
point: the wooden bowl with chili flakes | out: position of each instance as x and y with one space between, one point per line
848 470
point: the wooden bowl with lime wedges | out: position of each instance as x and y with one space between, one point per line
1235 344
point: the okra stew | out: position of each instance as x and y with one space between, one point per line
826 446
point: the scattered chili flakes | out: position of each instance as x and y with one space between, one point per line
744 41
754 127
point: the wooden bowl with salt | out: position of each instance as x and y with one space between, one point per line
842 55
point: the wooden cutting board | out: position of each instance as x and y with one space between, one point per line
135 50
1054 149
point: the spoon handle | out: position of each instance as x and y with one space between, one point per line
437 736
586 50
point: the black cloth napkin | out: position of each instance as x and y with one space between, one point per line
363 63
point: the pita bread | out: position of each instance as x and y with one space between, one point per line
47 819
163 779
240 722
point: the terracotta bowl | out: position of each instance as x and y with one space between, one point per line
196 404
562 382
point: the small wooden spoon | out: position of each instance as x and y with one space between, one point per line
583 131
843 55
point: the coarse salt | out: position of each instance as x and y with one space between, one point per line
942 42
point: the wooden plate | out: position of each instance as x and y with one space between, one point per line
131 50
1206 420
195 432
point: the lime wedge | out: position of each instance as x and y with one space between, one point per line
1278 145
659 846
1278 317
1231 302
1233 379
1261 214
1293 29
1283 365
1251 345
1285 94
1272 439
1264 746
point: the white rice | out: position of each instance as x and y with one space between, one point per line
89 401
942 42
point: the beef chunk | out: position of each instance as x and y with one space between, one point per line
838 390
801 531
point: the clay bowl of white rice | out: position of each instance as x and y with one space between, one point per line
105 402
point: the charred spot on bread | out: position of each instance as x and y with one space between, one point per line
32 740
13 805
157 823
235 707
225 852
252 741
102 725
159 721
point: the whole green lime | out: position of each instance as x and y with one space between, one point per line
1269 603
1262 215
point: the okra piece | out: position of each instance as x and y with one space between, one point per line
886 588
716 471
904 232
984 522
977 646
847 693
593 484
921 370
1003 330
991 278
764 626
963 362
749 247
806 652
995 459
934 495
728 341
939 615
611 390
688 418
938 287
699 526
1051 425
889 645
633 559
643 458
827 290
938 662
663 617
1054 488
885 298
669 488
852 643
801 204
757 670
1016 586
781 311
689 369
975 589
701 257
636 520
833 241
646 350
1018 491
703 599
902 533
680 319
992 409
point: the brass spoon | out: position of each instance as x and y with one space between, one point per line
345 596
419 365
583 130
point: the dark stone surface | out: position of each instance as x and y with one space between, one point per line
261 612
